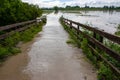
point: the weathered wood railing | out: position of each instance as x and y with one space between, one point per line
95 42
17 27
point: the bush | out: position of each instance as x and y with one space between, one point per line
105 73
14 11
3 52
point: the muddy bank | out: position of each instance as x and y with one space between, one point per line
12 68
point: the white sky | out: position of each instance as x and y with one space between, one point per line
63 3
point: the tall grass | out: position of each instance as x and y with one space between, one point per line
8 45
118 30
103 70
72 38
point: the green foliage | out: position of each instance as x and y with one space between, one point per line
8 46
29 34
104 70
70 41
3 52
118 31
84 45
119 26
13 11
56 9
86 8
12 40
113 46
105 73
14 50
73 39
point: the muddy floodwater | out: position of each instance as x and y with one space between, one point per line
104 20
50 58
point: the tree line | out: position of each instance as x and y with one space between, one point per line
84 8
13 11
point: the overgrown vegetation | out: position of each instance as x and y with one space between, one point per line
118 30
56 9
14 11
8 45
112 45
73 40
104 71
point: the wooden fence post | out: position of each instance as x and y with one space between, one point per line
70 24
66 22
94 36
101 38
78 27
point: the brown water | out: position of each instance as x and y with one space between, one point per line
50 58
12 68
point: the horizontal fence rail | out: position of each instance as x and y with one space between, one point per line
17 27
95 41
109 36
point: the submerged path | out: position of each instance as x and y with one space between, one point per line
50 58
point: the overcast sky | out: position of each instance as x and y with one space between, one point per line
63 3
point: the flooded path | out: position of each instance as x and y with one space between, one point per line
50 58
12 68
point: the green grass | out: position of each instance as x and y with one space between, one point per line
8 45
103 70
72 38
118 30
70 41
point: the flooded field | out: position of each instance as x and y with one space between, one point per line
105 20
51 58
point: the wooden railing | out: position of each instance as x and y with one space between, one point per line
94 42
8 30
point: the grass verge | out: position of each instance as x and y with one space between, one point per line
8 45
72 38
103 70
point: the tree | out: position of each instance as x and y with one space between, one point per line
56 9
12 11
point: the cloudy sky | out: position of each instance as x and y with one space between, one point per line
63 3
